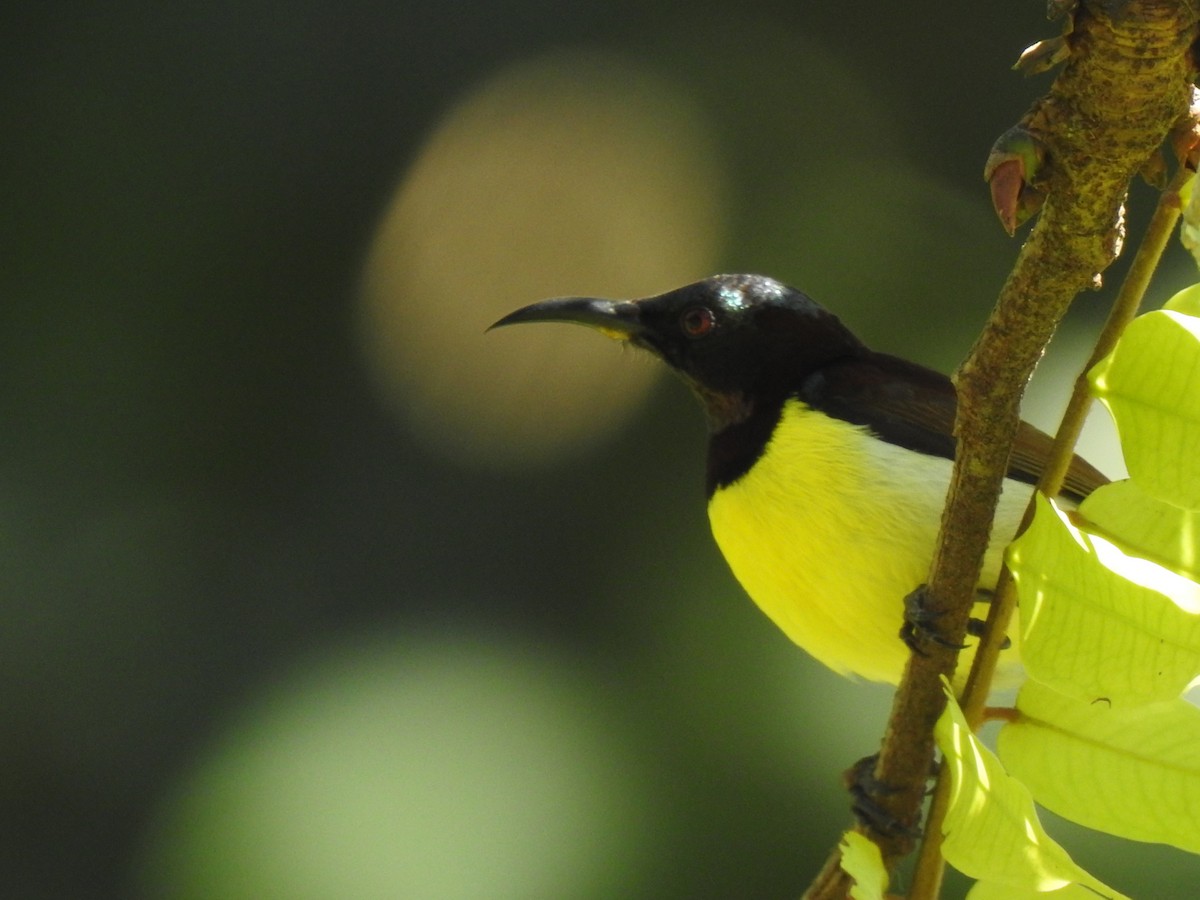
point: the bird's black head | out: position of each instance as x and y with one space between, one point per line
736 339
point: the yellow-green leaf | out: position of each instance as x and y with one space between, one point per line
1149 384
991 890
1132 772
1186 301
1143 526
1098 622
991 829
862 861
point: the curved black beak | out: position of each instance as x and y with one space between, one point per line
618 319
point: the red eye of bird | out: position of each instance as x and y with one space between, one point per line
697 321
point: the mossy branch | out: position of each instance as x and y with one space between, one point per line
1125 85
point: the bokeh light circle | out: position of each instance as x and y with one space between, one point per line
412 768
571 174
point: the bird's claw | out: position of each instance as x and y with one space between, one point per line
919 624
867 795
976 628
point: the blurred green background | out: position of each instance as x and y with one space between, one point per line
308 588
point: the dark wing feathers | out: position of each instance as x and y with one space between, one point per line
1029 455
913 407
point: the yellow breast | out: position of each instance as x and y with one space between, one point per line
831 528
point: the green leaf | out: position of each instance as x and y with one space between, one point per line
1099 622
1186 301
1149 384
991 829
862 861
1146 527
1132 772
991 890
